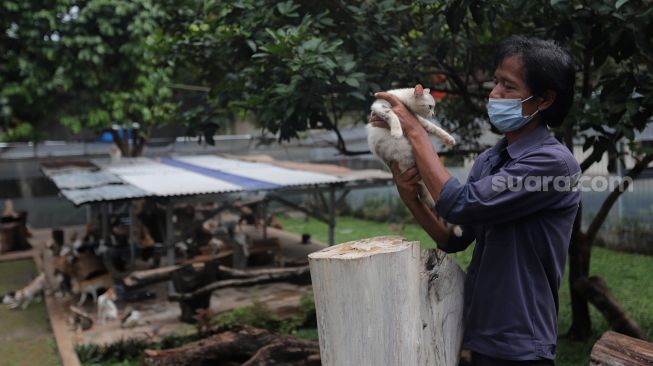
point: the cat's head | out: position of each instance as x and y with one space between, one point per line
111 294
8 298
423 103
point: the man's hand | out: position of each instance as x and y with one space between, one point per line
409 123
407 183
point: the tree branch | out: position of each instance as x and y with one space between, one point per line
594 157
600 217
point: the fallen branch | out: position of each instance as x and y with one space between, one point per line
151 276
257 346
598 293
299 275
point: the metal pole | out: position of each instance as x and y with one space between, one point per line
620 173
170 240
265 219
332 215
105 222
89 213
132 234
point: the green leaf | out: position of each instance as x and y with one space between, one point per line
352 82
251 44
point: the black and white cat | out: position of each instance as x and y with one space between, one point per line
24 297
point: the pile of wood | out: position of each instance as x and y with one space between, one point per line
245 346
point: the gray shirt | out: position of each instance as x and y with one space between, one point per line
519 204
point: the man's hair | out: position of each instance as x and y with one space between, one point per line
547 66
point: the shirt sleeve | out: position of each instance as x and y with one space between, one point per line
538 180
459 243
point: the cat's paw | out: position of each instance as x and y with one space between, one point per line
449 140
457 231
396 133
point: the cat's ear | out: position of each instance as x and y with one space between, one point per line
427 91
419 91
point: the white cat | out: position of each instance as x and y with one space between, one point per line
106 307
390 145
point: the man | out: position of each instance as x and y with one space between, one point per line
518 204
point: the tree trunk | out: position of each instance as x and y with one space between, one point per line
598 293
614 349
579 266
380 301
245 346
580 252
188 279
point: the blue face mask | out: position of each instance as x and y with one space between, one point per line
506 114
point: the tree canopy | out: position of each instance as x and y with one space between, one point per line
290 66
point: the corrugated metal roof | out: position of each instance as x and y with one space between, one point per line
181 176
261 171
111 192
84 179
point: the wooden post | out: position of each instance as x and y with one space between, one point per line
384 301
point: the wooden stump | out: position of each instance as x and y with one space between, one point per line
384 301
14 233
615 349
188 279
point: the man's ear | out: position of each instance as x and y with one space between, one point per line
548 97
419 90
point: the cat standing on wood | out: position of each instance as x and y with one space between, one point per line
391 146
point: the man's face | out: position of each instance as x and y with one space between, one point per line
510 84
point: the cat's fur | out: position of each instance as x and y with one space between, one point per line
24 297
106 307
390 145
91 286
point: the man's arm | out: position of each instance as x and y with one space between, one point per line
407 185
438 231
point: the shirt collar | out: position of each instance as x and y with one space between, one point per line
534 137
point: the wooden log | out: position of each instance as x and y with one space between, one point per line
598 293
382 301
615 349
299 275
162 274
255 346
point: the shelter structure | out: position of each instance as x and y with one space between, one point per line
99 184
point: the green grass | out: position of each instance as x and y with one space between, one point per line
627 275
25 336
